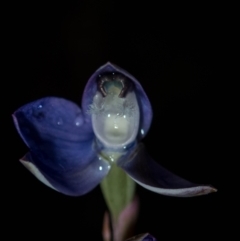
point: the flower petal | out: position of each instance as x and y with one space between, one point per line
143 237
34 170
61 144
149 174
75 182
144 104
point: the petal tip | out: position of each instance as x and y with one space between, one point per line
14 117
107 65
35 171
16 124
205 190
212 189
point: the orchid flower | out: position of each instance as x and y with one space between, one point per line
71 149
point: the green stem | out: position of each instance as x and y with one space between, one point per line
118 190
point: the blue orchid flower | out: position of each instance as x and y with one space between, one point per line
72 149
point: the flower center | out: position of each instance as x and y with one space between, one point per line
115 114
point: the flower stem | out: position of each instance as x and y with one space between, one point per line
118 190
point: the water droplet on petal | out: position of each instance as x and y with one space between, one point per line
59 122
111 158
100 168
39 106
109 166
78 120
142 131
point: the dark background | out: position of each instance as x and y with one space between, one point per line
176 54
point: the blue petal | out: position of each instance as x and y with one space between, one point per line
149 174
143 237
144 103
61 144
73 182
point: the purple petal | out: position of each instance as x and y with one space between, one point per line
61 144
144 104
143 237
73 182
149 174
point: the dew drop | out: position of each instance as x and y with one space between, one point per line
59 122
78 120
142 131
39 106
111 158
100 168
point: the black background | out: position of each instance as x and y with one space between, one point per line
176 53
